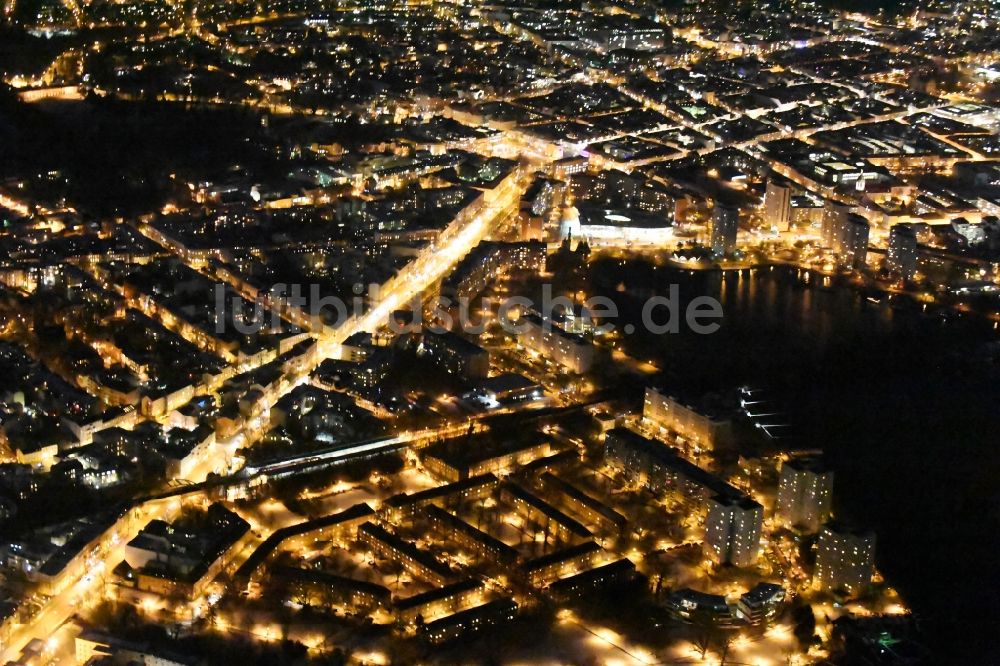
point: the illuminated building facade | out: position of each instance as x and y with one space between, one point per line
902 258
705 427
761 604
778 205
732 530
845 559
805 490
548 339
455 354
725 223
846 234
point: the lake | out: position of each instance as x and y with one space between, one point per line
906 405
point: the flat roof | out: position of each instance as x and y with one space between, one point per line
462 586
546 508
471 531
561 555
335 581
406 548
670 458
623 565
404 499
271 543
585 499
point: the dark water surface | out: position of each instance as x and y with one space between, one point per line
905 403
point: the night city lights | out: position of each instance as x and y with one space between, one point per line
536 332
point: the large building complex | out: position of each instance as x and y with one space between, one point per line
695 420
550 340
658 467
489 262
603 226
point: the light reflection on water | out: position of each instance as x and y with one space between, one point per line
782 321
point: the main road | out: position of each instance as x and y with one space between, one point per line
431 265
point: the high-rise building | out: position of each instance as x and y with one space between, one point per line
834 216
846 234
804 493
778 205
732 529
903 250
844 558
725 222
854 241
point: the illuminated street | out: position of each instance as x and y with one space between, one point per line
618 333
